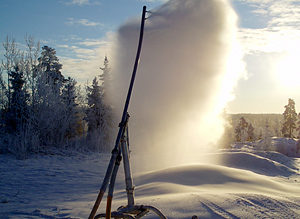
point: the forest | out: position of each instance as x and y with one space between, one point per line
261 128
41 109
250 127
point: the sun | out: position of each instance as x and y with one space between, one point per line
287 70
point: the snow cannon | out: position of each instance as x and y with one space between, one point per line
121 151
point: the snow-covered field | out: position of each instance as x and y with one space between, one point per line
241 184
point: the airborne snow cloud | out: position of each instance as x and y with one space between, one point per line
189 65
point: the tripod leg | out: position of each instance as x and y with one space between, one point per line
104 183
112 185
128 177
96 205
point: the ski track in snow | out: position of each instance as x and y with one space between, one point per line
241 185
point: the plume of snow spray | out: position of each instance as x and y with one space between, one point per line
189 65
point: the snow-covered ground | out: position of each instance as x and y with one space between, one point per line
243 183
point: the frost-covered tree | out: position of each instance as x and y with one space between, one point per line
250 132
267 134
108 118
241 130
3 90
227 137
94 97
16 131
11 55
31 69
71 111
94 113
26 60
98 117
289 119
50 108
3 103
277 131
105 77
298 131
17 114
39 107
49 65
18 126
298 126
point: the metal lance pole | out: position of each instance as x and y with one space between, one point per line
127 171
122 124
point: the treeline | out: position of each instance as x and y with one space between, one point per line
41 108
252 127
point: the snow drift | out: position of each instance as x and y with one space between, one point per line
65 187
185 78
287 146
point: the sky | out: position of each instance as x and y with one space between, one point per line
81 31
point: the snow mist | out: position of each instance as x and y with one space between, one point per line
189 64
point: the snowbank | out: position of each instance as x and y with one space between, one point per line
240 185
287 146
258 163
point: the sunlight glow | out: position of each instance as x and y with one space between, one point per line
288 70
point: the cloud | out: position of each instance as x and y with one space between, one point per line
87 57
83 22
83 2
281 31
92 42
269 40
153 0
79 2
62 46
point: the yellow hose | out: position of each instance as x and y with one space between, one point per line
108 207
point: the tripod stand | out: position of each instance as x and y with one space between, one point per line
121 148
130 211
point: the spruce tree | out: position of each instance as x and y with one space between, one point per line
241 130
50 107
94 114
108 122
250 133
289 119
50 66
94 110
70 108
17 114
105 77
298 127
2 89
